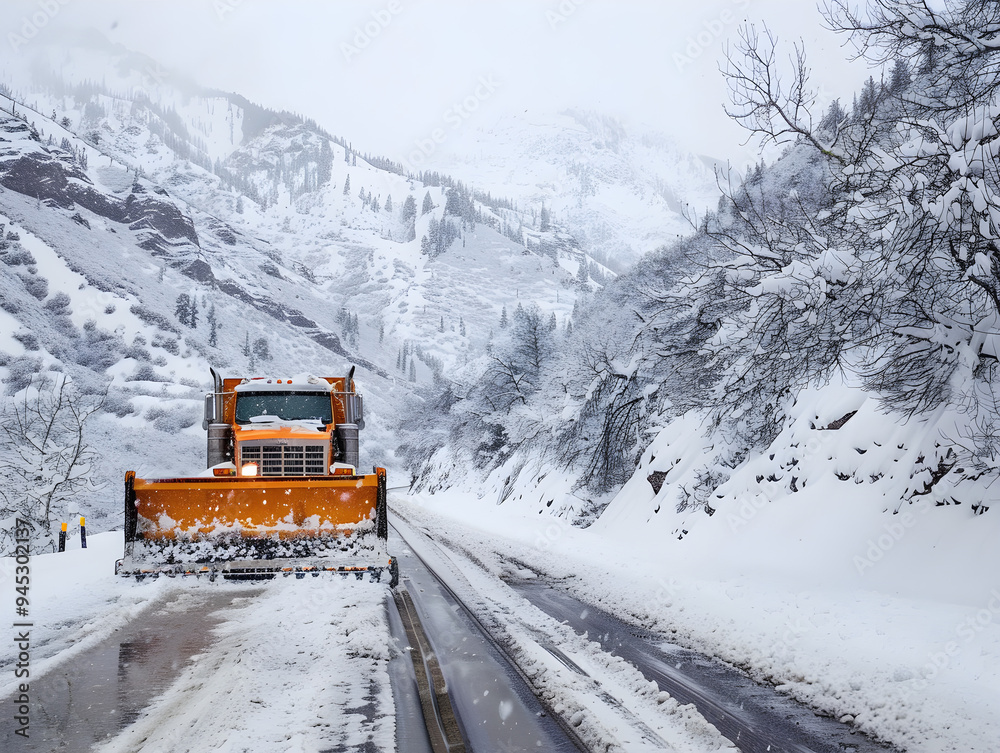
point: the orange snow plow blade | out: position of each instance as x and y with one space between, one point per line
256 527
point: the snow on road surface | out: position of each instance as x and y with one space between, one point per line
609 703
920 673
300 667
293 665
303 664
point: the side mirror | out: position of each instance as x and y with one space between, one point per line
209 411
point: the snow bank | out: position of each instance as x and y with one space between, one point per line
811 572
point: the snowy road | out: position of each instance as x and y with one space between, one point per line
495 707
619 685
314 665
184 665
96 693
755 717
606 703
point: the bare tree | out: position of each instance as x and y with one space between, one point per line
773 104
44 458
906 251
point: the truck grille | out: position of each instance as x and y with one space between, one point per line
286 459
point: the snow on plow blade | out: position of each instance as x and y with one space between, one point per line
256 527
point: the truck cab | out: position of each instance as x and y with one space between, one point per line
283 426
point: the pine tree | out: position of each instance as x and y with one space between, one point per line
553 323
193 313
261 349
461 326
388 203
413 370
441 326
347 185
899 78
213 328
409 210
324 170
182 309
503 318
434 237
865 105
428 204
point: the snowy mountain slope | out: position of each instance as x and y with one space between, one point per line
138 216
621 191
276 160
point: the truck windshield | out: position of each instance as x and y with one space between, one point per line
288 406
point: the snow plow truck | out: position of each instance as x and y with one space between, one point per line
282 493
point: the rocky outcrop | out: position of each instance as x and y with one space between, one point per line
53 176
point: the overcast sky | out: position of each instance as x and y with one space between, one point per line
385 74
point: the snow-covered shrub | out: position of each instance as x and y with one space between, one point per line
169 344
36 285
118 403
137 349
98 348
148 316
145 373
28 339
155 413
58 304
17 256
20 372
171 420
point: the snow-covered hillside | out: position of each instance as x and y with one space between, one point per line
153 230
621 190
844 564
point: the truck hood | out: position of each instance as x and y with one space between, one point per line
312 430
